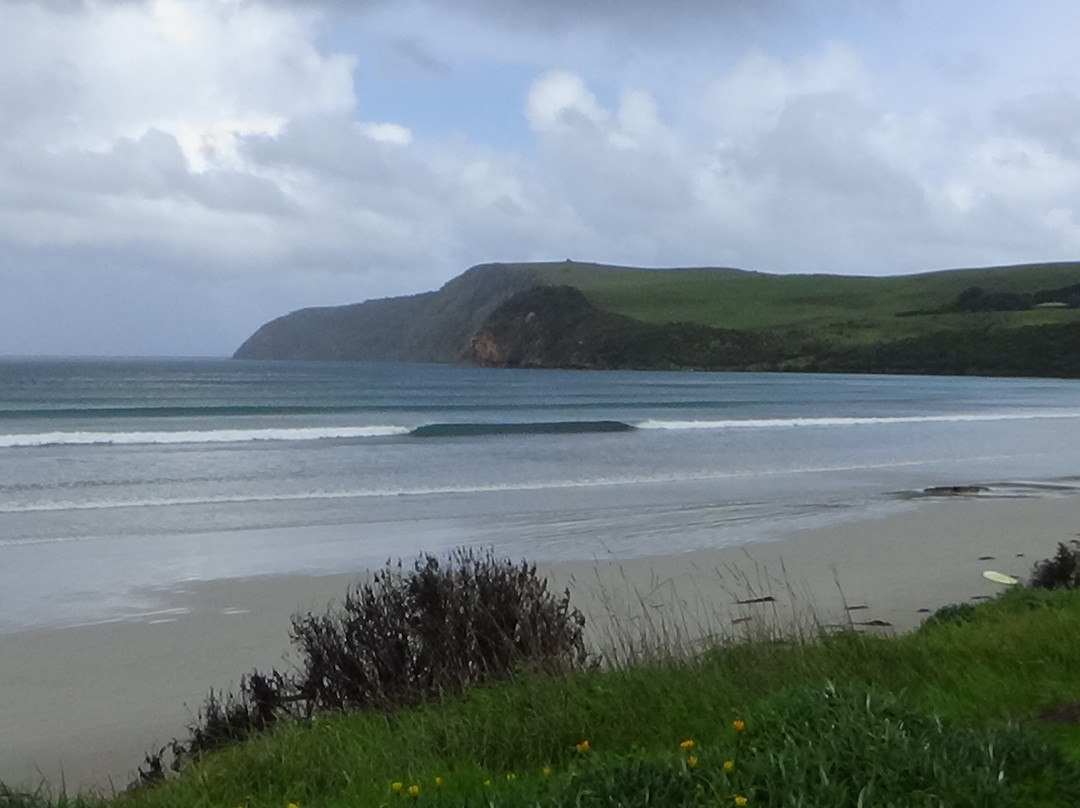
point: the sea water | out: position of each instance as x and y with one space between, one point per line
120 477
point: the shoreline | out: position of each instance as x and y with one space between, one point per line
82 705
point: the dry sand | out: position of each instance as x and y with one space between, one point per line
82 705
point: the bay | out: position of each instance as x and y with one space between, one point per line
122 478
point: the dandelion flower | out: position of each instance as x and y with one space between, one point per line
691 762
739 799
438 781
396 786
414 790
292 805
687 744
546 771
738 725
583 746
729 765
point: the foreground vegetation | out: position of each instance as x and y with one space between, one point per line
947 715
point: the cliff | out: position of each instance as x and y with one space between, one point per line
429 327
556 326
1021 320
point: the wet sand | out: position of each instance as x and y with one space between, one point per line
82 705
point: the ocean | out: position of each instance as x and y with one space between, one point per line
119 478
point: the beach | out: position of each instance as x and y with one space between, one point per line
82 704
161 520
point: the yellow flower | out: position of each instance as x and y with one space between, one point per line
396 786
739 799
738 725
582 747
292 805
438 781
546 771
414 790
687 744
729 765
691 761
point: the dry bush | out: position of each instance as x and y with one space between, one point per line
1060 572
405 637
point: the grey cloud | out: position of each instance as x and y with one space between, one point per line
411 56
648 19
328 145
238 192
37 98
151 167
560 12
964 66
819 141
1052 119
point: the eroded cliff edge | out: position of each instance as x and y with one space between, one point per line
1015 321
429 327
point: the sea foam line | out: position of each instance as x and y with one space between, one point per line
90 438
196 436
885 420
482 488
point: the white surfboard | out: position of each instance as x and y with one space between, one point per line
1000 578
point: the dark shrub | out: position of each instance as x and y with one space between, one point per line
975 298
1060 572
405 637
951 614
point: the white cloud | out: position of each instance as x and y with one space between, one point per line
559 101
205 65
247 158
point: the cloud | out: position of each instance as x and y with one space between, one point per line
560 100
217 163
634 17
1051 119
192 69
411 56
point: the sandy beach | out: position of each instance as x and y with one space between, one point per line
80 706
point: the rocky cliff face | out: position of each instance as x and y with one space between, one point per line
485 351
363 332
557 327
514 315
430 327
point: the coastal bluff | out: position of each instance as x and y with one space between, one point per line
1014 321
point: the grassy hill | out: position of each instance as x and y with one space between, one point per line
1019 320
843 309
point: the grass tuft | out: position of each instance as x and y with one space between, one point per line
946 715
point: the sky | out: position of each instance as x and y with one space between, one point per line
174 173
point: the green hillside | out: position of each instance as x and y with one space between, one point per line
840 309
1019 320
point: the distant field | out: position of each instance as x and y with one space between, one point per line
843 310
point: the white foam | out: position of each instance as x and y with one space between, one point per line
196 436
788 423
483 488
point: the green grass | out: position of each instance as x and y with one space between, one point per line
845 310
942 711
